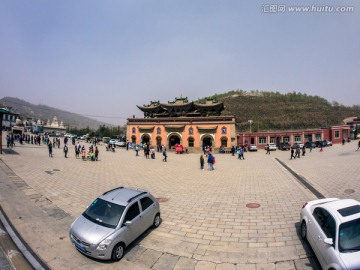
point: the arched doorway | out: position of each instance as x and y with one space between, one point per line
145 139
133 139
174 139
207 141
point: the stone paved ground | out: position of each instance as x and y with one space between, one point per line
205 222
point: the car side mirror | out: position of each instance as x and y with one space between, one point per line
328 241
126 223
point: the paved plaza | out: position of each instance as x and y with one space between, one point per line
206 219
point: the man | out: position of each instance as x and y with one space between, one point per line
165 155
50 149
210 162
358 146
65 150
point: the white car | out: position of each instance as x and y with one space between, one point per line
300 144
332 228
270 146
252 147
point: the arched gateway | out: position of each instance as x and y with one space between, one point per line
173 140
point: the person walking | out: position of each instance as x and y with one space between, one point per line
303 150
137 150
202 161
233 150
50 149
310 146
165 155
210 162
83 153
268 150
242 149
358 146
65 150
292 153
96 153
298 151
7 141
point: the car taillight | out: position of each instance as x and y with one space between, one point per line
304 205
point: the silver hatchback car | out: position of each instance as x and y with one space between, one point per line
113 221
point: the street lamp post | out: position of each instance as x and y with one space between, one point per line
250 121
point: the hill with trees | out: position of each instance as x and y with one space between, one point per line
277 111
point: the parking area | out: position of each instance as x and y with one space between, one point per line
242 215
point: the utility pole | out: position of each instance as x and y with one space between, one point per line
250 121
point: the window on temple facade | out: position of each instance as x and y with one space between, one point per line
223 130
158 140
224 141
191 130
133 130
158 130
297 138
337 134
191 141
272 139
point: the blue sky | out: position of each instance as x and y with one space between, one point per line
103 58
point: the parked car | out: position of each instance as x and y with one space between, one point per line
319 143
113 221
327 142
120 144
252 147
113 141
308 144
284 146
270 146
332 228
300 144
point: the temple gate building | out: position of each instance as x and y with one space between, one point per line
191 124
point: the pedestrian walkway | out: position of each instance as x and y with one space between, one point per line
242 215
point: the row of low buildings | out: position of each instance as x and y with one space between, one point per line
193 125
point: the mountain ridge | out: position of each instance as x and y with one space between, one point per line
45 112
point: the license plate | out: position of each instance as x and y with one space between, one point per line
79 247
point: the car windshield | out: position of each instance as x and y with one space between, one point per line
104 213
349 236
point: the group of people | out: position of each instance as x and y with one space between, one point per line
210 161
295 151
90 154
149 151
21 138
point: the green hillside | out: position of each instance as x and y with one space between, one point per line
276 111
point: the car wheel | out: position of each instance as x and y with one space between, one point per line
303 230
156 222
117 252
